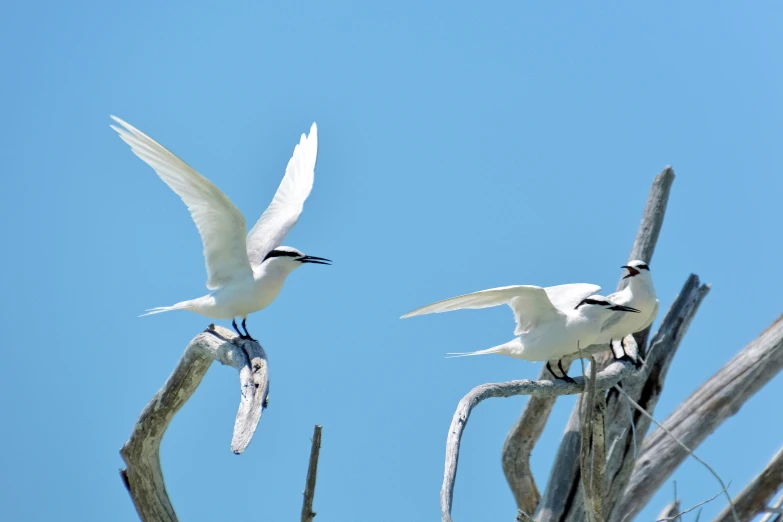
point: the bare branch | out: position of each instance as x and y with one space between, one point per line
525 433
774 513
677 516
683 446
605 379
593 452
312 471
562 499
143 477
753 499
697 417
652 218
670 512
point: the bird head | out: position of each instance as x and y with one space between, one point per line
637 268
597 306
289 258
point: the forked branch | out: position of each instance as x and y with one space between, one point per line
143 477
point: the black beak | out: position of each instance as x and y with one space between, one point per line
621 308
631 272
316 260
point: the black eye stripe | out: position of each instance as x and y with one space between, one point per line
643 267
280 253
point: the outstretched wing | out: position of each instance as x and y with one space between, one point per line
530 304
566 297
282 214
220 224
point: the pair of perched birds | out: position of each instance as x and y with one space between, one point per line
246 273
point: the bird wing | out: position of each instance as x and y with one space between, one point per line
567 297
530 304
282 214
220 224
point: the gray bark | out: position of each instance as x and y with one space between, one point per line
607 378
143 477
562 499
312 472
698 416
525 433
754 498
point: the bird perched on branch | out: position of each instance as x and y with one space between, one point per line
551 322
244 275
638 293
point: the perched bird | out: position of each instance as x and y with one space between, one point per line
244 275
638 293
551 322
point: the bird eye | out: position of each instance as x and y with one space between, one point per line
644 267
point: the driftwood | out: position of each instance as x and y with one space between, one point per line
143 477
634 466
312 471
524 434
707 408
754 498
607 378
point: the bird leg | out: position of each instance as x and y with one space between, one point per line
625 356
236 328
247 334
565 376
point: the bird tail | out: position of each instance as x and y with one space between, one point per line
184 305
503 349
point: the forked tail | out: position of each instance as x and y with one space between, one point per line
184 305
511 348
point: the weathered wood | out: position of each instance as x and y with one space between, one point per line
562 499
143 477
524 434
593 449
312 472
670 512
607 378
773 513
754 498
698 416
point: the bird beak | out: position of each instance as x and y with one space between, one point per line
621 308
631 271
316 260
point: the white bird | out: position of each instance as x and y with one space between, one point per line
551 322
244 275
639 293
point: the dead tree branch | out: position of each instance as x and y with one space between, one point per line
593 456
525 433
143 477
754 498
562 499
707 408
312 471
607 378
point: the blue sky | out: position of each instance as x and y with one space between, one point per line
462 146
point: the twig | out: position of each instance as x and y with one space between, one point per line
593 451
143 477
681 513
607 378
312 471
683 446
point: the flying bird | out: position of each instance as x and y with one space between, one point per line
638 293
244 274
551 322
